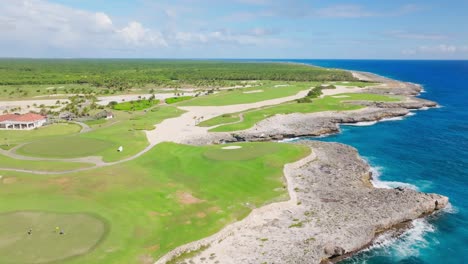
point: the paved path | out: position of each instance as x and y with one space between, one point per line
178 129
170 130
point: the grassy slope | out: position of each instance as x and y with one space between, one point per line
141 198
238 96
222 119
18 137
103 141
7 162
177 99
327 103
135 105
354 84
82 233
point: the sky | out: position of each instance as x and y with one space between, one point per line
302 29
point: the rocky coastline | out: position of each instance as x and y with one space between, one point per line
334 210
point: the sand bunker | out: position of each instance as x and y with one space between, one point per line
340 96
254 91
232 147
281 85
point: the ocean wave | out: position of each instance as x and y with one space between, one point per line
289 140
378 183
370 123
406 245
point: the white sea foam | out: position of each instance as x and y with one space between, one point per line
370 123
378 183
290 139
407 244
450 209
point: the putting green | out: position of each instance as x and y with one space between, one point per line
244 152
65 147
82 233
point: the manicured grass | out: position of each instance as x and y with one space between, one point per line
96 122
328 103
18 136
222 119
174 100
65 147
355 84
135 105
270 90
169 196
81 234
7 162
104 141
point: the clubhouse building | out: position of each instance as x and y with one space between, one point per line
21 122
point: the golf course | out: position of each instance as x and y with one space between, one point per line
133 187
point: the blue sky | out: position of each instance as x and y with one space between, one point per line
430 29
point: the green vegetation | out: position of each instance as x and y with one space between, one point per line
65 147
314 93
222 119
167 197
266 91
122 74
81 233
174 100
328 103
7 162
355 84
135 105
188 254
103 141
8 137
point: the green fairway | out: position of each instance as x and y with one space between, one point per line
81 233
328 103
270 90
169 196
17 137
7 162
135 105
65 147
174 100
103 141
355 84
222 119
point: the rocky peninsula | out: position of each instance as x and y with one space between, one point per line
334 210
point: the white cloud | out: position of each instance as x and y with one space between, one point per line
27 25
345 11
442 48
418 36
437 50
137 35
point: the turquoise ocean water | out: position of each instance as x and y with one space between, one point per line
427 151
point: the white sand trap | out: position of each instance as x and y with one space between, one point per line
340 96
281 85
345 82
232 147
254 91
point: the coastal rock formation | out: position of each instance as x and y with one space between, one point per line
294 125
333 212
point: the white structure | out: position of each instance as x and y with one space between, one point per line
22 122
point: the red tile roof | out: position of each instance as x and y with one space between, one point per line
7 117
30 117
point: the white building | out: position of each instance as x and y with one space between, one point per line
22 122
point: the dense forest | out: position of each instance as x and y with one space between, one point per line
124 73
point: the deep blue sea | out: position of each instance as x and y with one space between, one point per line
427 151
